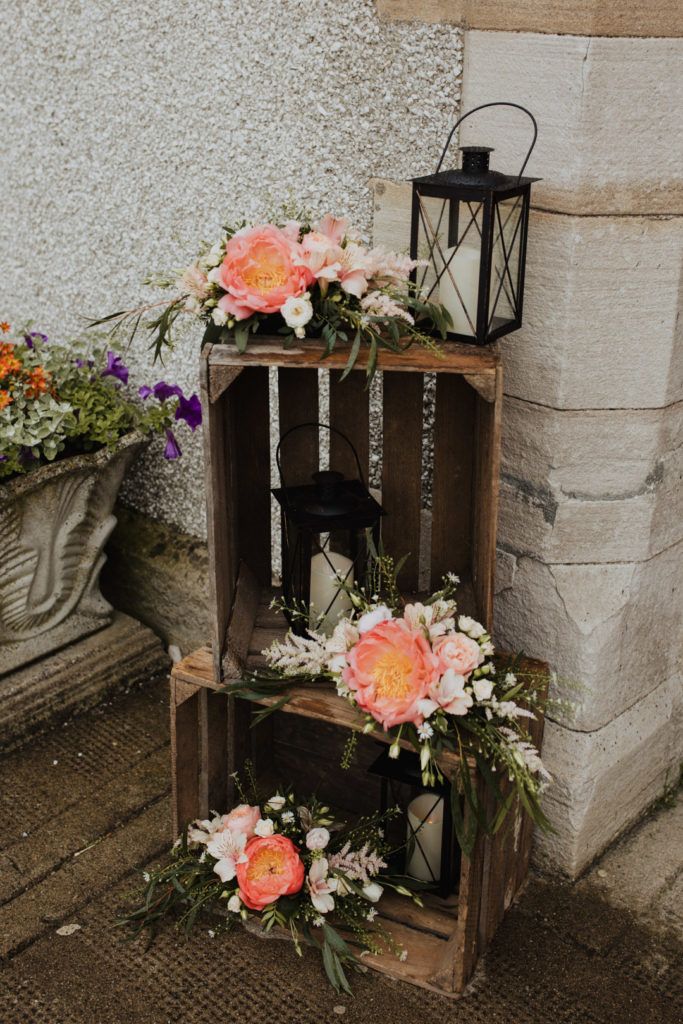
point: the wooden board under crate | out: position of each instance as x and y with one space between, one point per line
444 939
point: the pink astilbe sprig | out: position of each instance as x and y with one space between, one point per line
358 865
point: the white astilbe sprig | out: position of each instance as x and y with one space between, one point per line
298 655
358 865
525 753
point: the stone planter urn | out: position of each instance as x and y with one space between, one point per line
54 523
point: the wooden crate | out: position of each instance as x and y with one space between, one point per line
211 734
236 405
444 939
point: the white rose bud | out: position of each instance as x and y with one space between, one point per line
394 751
219 317
234 904
373 892
483 688
264 827
317 839
296 312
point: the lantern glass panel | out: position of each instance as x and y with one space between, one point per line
508 236
450 241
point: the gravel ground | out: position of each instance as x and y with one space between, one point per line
87 805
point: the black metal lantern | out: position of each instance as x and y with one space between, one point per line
325 527
423 834
470 225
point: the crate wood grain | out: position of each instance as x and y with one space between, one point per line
444 939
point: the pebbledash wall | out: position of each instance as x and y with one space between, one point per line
133 130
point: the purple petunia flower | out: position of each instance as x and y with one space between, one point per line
190 410
145 391
163 391
80 363
115 368
34 336
172 449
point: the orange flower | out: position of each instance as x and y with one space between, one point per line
4 327
5 399
38 382
8 361
272 868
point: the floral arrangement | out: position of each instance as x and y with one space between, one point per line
298 278
58 400
282 863
428 678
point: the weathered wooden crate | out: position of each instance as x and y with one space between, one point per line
211 734
460 534
297 744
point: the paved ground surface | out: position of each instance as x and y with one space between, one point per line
86 805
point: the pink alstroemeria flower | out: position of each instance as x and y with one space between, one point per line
228 849
321 887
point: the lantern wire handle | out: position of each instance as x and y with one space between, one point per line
326 426
497 103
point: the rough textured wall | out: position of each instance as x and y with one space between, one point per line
132 131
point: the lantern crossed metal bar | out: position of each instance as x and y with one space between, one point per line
402 779
329 520
470 226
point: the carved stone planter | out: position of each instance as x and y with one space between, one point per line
54 524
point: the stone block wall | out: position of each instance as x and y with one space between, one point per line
591 523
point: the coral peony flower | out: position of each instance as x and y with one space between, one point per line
390 670
260 272
242 818
458 652
272 869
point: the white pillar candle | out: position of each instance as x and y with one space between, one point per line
425 813
326 571
463 268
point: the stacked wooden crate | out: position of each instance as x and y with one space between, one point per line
301 744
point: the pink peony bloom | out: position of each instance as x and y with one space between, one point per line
260 271
390 670
242 818
458 652
272 868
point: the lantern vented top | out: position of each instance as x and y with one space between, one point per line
475 159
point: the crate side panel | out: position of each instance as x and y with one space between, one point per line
298 404
485 510
350 413
402 472
249 452
452 494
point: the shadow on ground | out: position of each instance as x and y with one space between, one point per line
87 805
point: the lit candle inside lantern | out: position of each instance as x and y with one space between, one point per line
326 597
425 816
463 268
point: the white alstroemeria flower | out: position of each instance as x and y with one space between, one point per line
317 839
264 827
234 904
276 803
228 849
483 688
219 317
471 627
321 887
450 693
373 618
373 892
426 707
297 311
201 831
